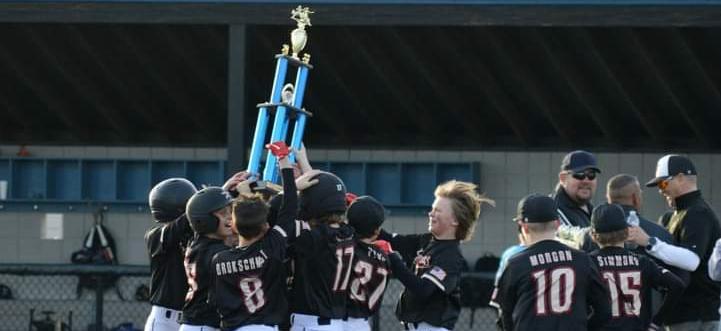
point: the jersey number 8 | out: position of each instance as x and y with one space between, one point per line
253 295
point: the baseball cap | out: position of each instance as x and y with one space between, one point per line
578 161
671 165
608 218
365 215
536 208
325 197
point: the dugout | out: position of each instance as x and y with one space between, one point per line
502 88
110 96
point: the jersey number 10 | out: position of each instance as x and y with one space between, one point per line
556 287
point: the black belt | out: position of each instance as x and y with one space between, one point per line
346 319
169 314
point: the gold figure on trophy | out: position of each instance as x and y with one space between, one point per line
298 37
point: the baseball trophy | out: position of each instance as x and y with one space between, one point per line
286 101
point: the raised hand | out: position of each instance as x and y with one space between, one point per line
383 246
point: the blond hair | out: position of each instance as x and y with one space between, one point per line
465 204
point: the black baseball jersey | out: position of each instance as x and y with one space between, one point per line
550 286
166 248
323 257
441 263
250 281
198 310
694 225
368 280
630 279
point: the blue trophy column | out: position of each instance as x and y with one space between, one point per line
236 140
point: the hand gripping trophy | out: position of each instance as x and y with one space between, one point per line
286 101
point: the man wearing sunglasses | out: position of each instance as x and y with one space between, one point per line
576 186
694 226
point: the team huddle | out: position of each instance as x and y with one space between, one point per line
308 257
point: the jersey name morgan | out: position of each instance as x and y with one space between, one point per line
550 257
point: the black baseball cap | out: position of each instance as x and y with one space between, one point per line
608 218
671 165
365 215
578 161
325 197
536 208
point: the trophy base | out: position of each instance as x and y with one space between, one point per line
267 189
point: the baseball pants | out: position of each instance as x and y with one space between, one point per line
257 327
302 322
186 327
162 319
356 324
423 326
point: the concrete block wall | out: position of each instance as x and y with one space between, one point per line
505 177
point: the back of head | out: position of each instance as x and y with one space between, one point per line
168 198
365 215
201 206
250 213
274 205
466 205
326 198
538 211
621 187
608 224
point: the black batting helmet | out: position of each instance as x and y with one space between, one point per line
167 199
365 215
325 197
201 206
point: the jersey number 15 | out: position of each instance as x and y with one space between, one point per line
629 284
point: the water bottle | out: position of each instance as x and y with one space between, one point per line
632 218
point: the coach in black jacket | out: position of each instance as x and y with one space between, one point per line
695 227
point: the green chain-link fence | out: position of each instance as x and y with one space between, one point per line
70 292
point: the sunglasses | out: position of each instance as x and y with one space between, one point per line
590 175
664 183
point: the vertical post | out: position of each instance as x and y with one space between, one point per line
261 126
299 127
236 98
98 302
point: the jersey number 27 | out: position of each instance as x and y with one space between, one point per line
361 288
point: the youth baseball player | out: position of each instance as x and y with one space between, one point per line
166 244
